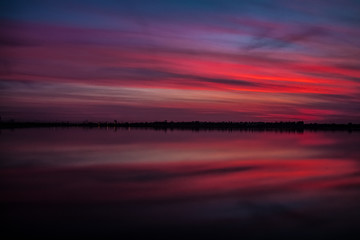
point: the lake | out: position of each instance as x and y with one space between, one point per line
105 183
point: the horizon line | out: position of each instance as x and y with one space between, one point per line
291 126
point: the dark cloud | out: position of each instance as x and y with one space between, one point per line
230 82
273 39
148 74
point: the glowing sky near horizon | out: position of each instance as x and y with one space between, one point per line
222 60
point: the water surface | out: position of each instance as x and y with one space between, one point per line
105 183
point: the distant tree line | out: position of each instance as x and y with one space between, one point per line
298 126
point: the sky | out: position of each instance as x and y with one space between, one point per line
189 60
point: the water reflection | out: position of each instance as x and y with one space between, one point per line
214 184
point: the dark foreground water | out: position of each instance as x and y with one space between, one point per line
96 183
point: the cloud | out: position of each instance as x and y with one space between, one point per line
259 52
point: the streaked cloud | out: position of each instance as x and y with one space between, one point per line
269 60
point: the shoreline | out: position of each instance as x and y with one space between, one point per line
193 125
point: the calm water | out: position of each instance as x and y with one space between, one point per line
106 183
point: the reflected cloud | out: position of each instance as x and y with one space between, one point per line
217 181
